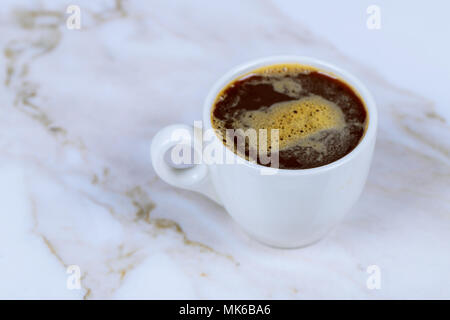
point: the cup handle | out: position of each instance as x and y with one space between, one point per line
196 178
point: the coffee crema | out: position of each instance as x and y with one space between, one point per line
320 118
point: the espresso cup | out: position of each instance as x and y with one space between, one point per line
284 208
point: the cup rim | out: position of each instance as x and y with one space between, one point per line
327 68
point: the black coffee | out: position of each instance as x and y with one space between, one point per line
320 118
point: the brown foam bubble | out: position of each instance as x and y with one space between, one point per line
295 119
287 86
283 69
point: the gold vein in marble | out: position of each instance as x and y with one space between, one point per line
421 135
52 248
116 12
43 38
145 206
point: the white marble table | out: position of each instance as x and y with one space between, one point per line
79 109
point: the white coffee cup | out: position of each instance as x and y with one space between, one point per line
290 208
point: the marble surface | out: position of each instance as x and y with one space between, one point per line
79 109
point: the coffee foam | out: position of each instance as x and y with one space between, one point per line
311 128
282 69
296 120
286 86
